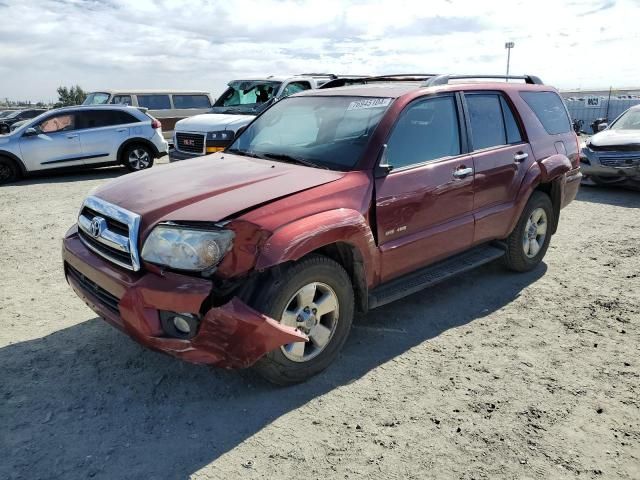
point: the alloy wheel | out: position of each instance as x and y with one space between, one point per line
139 158
535 232
314 310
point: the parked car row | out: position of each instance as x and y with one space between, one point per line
330 201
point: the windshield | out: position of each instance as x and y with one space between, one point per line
327 132
246 96
630 120
13 114
96 98
5 113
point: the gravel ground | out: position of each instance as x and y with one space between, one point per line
490 375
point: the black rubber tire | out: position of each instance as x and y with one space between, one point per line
274 366
9 171
129 149
515 257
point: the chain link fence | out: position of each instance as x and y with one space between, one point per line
587 110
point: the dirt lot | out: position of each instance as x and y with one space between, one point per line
491 375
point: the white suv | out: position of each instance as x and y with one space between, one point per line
235 108
73 137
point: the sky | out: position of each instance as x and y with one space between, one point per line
204 44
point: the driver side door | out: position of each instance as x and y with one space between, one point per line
56 143
424 206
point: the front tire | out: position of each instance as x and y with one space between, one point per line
137 157
314 295
528 243
9 171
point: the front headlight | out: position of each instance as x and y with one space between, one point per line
186 248
222 136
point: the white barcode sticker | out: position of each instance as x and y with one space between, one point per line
369 103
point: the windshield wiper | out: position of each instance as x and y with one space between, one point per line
293 159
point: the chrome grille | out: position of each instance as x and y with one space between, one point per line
190 142
620 159
110 231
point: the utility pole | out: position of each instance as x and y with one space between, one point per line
508 46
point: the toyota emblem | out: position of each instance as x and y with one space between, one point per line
97 226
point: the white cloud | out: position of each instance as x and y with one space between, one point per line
170 44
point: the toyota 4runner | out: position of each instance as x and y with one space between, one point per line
329 202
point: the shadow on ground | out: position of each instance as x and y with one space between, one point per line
67 176
614 196
88 401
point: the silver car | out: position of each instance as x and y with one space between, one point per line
73 137
612 156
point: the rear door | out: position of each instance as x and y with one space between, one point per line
501 158
424 205
56 144
102 132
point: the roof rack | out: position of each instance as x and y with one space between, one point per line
402 77
330 75
444 79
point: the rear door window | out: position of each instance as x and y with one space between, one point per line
550 110
191 101
511 125
103 118
426 130
154 102
487 124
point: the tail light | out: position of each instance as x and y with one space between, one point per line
155 124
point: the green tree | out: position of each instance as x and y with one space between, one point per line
70 96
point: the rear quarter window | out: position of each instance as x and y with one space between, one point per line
191 101
550 110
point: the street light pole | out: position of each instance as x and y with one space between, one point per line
508 46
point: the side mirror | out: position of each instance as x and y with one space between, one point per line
31 132
602 126
384 168
240 130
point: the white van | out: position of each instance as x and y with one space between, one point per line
168 106
236 107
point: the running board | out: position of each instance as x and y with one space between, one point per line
425 277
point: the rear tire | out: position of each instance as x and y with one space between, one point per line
9 171
528 243
137 157
331 302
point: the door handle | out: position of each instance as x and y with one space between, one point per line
462 172
72 136
122 130
520 156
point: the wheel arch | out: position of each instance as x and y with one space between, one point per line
342 235
546 176
136 141
15 159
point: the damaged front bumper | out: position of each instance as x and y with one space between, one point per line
231 336
622 164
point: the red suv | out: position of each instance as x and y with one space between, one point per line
331 201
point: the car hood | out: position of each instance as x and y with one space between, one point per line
213 122
210 188
613 137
